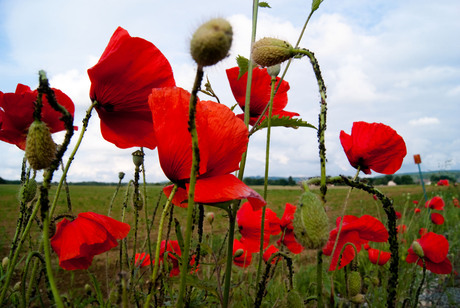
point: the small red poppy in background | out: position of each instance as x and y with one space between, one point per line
17 109
398 215
287 236
142 259
456 202
260 93
222 140
249 224
437 218
415 202
241 256
77 242
401 229
417 210
374 146
357 231
379 257
422 231
443 182
435 203
434 251
121 82
268 253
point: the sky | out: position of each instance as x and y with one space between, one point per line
392 62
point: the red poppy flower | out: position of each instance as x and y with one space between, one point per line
437 218
435 248
456 202
268 253
443 183
242 257
374 146
417 210
357 231
415 202
222 140
121 82
16 114
287 236
398 215
249 224
260 93
422 231
77 242
379 257
142 259
401 229
435 203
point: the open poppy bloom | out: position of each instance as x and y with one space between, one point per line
435 203
437 218
354 230
374 146
17 109
172 249
222 139
260 93
434 251
121 82
77 242
249 224
417 210
379 257
142 259
287 236
242 257
443 182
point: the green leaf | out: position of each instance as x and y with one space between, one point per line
243 64
315 5
264 4
286 122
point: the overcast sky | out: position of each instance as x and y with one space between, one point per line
394 62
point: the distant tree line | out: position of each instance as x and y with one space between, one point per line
275 181
399 180
434 178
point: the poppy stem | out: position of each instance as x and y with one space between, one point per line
419 289
158 245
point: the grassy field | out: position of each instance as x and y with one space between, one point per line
99 198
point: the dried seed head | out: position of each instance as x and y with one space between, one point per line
138 158
211 42
40 147
271 51
311 225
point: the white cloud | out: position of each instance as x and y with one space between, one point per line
424 121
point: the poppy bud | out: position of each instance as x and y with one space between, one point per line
5 262
121 175
238 253
274 70
88 289
357 299
211 42
311 226
271 51
353 283
210 217
40 147
417 248
138 158
16 286
28 190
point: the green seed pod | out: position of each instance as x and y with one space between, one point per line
27 191
138 158
271 51
353 283
311 225
40 147
211 42
358 299
417 248
294 300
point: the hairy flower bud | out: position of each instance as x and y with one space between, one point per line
40 147
417 248
5 262
238 253
211 42
357 299
271 51
311 225
353 283
27 191
210 217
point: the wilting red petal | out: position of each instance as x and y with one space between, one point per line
16 113
90 234
379 257
435 203
288 216
141 259
435 248
243 260
437 218
121 82
268 253
374 146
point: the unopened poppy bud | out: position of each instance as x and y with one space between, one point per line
40 147
238 253
358 299
211 42
5 262
17 286
417 248
210 217
353 283
311 225
121 175
271 51
138 158
88 289
28 190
